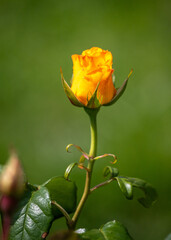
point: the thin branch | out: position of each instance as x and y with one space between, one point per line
101 184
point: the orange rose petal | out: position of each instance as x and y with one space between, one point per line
90 68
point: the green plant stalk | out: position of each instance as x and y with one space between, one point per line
92 153
66 215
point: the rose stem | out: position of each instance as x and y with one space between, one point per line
93 148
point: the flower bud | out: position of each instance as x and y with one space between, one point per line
92 83
12 180
91 69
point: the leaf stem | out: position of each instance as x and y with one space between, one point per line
102 184
64 212
92 153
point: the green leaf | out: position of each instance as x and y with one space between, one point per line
168 237
126 187
120 91
150 194
110 231
35 212
64 192
112 171
33 217
70 93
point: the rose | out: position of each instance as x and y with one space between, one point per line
91 69
92 84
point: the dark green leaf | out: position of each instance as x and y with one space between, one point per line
35 212
33 217
110 231
64 192
125 186
112 171
70 93
149 192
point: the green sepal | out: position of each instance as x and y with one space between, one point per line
64 192
70 93
150 194
110 231
112 171
119 91
126 187
94 101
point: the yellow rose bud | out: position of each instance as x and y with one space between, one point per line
92 84
12 180
93 69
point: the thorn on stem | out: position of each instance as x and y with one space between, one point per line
44 235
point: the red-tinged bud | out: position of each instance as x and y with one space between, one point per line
12 180
7 204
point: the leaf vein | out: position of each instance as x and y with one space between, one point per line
34 222
103 234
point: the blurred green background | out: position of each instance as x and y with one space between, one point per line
36 38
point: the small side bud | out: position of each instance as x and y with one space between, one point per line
12 180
